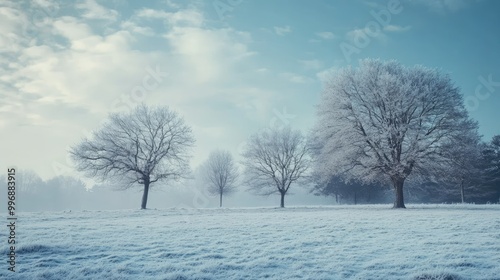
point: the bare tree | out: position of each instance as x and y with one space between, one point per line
142 147
464 158
274 159
383 122
221 173
490 165
30 181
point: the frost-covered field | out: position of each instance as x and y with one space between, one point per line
351 242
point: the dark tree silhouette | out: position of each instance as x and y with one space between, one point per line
353 190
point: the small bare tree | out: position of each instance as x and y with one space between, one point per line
463 156
142 147
221 173
274 159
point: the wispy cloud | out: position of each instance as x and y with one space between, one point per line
92 10
296 78
325 75
282 31
172 4
312 64
396 28
46 4
186 17
442 6
84 68
133 27
152 14
325 35
359 33
366 34
53 73
373 4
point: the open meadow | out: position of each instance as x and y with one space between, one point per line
339 242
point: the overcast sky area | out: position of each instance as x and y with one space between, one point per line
229 67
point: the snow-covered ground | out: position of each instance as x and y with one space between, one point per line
342 242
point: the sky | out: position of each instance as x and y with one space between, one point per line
229 67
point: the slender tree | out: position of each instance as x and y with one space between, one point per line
490 166
221 173
464 158
142 147
384 122
274 160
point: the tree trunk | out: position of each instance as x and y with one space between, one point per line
462 190
398 189
220 200
282 205
145 194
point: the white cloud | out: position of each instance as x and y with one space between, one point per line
362 33
12 21
375 5
78 70
172 4
208 54
325 35
442 6
81 37
296 78
181 18
46 4
396 28
326 74
152 14
94 10
368 33
71 28
282 31
312 64
135 28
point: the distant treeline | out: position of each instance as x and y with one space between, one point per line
481 185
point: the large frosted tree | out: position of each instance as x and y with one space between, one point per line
142 147
386 122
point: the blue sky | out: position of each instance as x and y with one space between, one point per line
230 67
